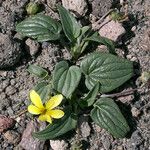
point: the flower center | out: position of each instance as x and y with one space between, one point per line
44 111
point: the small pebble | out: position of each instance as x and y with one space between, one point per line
3 73
135 112
32 46
58 144
119 148
112 30
12 137
10 111
10 90
6 123
84 126
133 28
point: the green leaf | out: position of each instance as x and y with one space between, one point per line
66 79
78 48
37 71
70 26
40 27
44 90
84 31
90 98
58 128
107 69
107 115
102 40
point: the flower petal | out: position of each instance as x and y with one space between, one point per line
56 113
36 100
34 110
45 117
54 101
49 104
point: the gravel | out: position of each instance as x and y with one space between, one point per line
12 137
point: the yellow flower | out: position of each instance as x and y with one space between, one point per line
47 111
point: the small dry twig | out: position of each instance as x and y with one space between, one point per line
19 114
124 93
97 25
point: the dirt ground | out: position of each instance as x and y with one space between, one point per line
16 82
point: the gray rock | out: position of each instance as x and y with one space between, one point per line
84 126
112 30
58 144
27 141
32 46
12 82
3 74
135 112
100 7
4 84
78 7
10 51
10 111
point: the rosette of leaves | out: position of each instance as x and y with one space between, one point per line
103 72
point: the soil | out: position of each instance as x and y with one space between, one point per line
16 82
